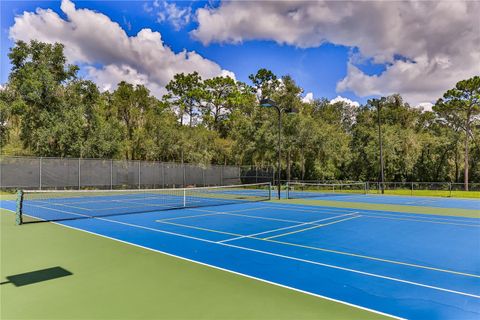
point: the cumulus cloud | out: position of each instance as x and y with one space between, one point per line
308 97
345 100
93 40
438 41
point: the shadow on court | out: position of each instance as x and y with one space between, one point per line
24 279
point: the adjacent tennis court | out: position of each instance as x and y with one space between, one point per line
399 264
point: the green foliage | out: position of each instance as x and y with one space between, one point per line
46 110
185 93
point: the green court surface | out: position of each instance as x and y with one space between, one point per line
113 280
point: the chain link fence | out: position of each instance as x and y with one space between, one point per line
75 173
257 174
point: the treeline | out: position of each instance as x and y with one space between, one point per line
46 109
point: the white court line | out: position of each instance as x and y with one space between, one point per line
56 204
366 213
302 260
311 228
310 248
222 269
268 253
332 251
232 213
226 213
279 229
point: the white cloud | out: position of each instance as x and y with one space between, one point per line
345 100
178 17
439 39
308 97
92 39
425 106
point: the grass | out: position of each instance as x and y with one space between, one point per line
431 193
113 280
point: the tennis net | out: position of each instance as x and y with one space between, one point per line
57 205
297 190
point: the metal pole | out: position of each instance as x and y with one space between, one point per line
139 181
382 176
279 149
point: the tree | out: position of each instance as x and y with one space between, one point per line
133 106
185 93
221 95
460 107
265 83
39 72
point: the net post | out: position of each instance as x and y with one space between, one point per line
19 211
184 197
269 191
449 189
288 189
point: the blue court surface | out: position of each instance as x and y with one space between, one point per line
404 265
437 202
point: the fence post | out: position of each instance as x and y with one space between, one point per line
40 173
184 173
203 177
79 180
111 174
221 176
163 175
139 173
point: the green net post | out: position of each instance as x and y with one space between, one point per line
19 211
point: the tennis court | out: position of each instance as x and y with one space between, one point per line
356 192
399 264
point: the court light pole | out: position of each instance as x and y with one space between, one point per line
269 103
378 104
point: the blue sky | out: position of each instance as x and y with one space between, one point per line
327 57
